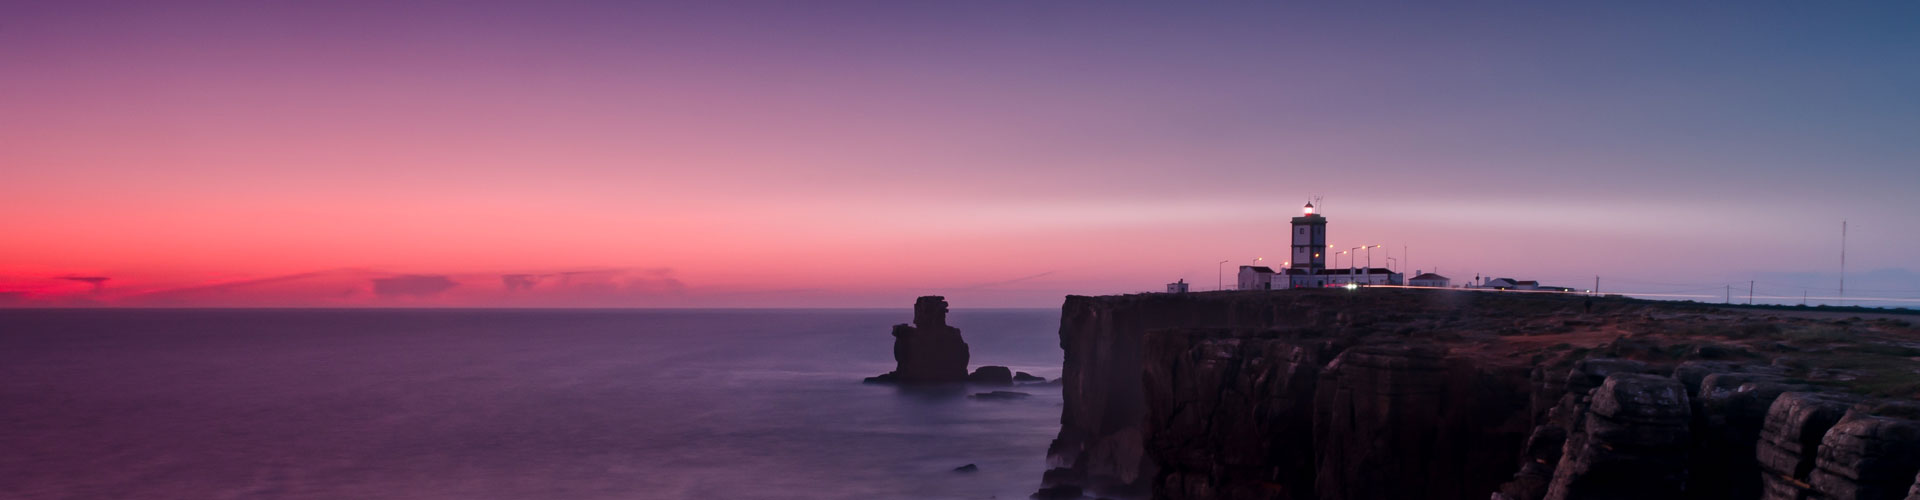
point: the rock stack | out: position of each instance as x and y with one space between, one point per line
929 352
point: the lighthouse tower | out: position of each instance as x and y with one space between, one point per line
1309 248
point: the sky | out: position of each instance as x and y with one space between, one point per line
1000 153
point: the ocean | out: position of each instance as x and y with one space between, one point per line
508 404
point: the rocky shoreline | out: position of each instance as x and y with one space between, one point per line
1377 394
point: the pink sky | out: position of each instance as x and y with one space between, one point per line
1003 155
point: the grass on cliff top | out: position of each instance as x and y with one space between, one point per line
1878 357
1874 373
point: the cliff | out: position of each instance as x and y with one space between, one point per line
1380 393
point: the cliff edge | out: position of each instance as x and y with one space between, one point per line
1383 393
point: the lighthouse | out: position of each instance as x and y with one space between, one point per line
1309 248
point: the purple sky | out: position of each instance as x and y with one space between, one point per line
1002 153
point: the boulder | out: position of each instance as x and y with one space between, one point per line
1581 379
1028 378
1692 373
967 468
991 375
1868 456
1790 439
1636 439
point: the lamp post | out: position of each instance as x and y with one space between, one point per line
1369 271
1220 276
1350 261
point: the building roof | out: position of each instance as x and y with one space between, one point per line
1258 269
1429 276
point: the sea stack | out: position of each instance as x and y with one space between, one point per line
928 351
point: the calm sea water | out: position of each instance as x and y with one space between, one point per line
506 404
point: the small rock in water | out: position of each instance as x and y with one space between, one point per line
991 375
1024 377
1000 395
967 468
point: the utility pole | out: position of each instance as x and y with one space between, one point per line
1219 277
1729 293
1749 292
1843 263
1596 284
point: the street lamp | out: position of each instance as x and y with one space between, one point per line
1351 263
1369 270
1219 276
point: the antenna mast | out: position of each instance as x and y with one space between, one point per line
1843 262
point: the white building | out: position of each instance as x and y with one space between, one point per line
1361 276
1510 284
1177 286
1428 279
1257 278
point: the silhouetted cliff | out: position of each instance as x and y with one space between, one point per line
1367 394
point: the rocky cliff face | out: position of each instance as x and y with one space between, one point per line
1408 394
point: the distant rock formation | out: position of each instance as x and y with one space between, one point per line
928 351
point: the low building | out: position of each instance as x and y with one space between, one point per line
1177 286
1362 276
1303 278
1256 278
1428 280
1510 284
